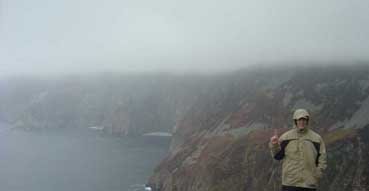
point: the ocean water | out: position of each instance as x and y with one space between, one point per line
75 160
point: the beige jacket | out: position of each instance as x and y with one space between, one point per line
303 156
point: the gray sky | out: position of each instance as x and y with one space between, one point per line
43 36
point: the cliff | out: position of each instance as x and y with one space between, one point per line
123 104
221 142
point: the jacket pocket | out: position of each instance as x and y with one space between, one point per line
291 172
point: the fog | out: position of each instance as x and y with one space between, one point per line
76 131
82 36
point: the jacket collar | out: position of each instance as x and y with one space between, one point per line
301 131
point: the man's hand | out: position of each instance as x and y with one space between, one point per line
274 139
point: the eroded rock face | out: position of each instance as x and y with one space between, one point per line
221 144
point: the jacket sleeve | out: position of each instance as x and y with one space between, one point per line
277 150
322 160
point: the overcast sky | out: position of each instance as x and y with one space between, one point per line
72 36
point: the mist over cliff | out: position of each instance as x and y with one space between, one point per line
220 123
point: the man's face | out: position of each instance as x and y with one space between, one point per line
302 123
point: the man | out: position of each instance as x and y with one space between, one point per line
303 155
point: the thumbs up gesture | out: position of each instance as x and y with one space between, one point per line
274 139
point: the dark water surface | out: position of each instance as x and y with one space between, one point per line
75 160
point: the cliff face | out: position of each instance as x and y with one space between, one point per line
221 143
122 104
222 122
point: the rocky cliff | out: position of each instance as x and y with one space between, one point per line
221 142
124 104
222 123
